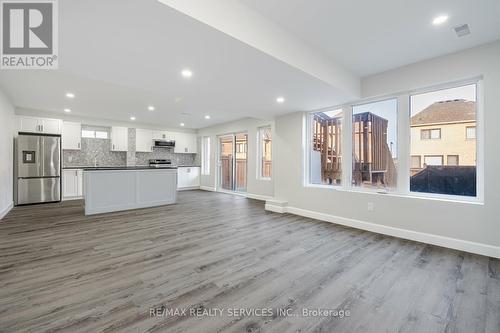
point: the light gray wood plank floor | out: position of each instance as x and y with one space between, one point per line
63 272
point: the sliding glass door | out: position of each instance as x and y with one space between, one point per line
233 154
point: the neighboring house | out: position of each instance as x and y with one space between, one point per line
444 134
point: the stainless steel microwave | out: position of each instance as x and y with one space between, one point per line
164 143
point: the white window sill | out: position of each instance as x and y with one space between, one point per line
411 195
264 179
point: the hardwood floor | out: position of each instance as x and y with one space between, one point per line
63 272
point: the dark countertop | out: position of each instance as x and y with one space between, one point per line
138 167
124 167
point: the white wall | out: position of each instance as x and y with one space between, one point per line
255 187
6 154
456 224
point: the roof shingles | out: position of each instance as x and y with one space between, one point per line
458 110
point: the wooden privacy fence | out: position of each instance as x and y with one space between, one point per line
227 173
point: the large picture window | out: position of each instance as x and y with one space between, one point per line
439 146
326 152
453 111
374 155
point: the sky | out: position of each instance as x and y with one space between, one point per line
421 101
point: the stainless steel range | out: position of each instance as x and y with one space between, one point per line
38 168
160 163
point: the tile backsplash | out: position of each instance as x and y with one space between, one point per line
99 150
165 153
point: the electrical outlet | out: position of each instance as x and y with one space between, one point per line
371 207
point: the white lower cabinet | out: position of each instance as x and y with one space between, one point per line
72 184
188 177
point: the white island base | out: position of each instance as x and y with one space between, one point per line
111 190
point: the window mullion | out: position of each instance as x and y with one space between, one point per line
347 147
404 151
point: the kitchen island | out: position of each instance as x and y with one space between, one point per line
111 189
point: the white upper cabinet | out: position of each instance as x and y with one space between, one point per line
185 143
163 135
143 140
39 125
72 136
119 138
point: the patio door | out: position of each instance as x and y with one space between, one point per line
233 155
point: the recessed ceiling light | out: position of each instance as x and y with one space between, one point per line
440 19
67 110
207 117
132 118
187 73
182 124
280 100
70 95
151 108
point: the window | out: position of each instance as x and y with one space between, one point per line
433 160
416 162
101 134
265 152
94 132
470 132
454 111
241 147
326 148
205 155
374 144
430 134
452 160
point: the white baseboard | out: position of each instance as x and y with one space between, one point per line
241 194
207 188
257 196
6 210
452 243
188 188
72 198
275 208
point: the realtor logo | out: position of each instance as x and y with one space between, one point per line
29 34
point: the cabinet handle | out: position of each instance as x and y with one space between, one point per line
41 126
78 144
113 146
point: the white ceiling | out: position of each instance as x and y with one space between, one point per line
119 56
370 36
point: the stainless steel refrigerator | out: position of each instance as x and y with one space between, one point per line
38 168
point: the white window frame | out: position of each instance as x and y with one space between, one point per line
94 133
260 152
205 155
403 147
